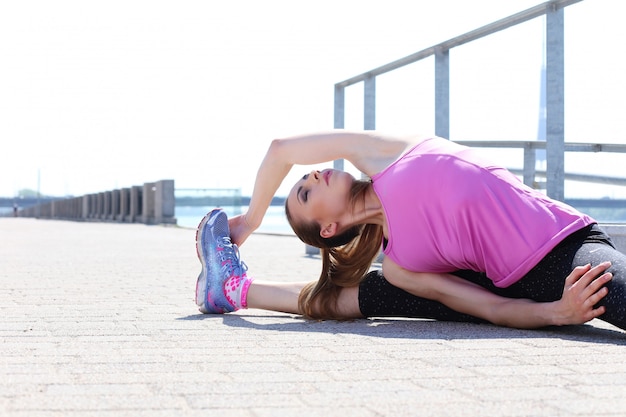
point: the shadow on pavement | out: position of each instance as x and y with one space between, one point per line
413 328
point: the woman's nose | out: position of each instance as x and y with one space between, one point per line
313 176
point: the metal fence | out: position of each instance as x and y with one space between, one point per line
554 145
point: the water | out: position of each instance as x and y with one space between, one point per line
276 222
273 222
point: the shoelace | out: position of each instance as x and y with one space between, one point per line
229 255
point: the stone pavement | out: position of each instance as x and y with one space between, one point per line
99 319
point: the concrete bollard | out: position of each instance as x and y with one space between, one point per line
164 202
107 211
124 204
148 198
115 205
85 207
136 192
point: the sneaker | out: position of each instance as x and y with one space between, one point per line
220 261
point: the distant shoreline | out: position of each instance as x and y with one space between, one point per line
180 201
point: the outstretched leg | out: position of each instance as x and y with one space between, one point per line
374 297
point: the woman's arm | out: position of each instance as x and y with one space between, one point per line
368 151
583 290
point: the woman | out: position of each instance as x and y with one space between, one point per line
224 286
440 208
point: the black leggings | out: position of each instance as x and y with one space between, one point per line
545 282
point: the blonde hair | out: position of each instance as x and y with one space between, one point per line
346 258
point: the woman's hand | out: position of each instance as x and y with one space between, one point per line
584 288
239 229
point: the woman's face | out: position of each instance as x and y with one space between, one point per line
320 196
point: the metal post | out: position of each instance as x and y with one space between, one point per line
442 92
339 116
529 166
340 104
555 109
369 103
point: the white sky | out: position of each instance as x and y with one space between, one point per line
103 95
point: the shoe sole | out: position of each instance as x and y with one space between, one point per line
202 278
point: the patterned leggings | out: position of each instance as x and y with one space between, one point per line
545 282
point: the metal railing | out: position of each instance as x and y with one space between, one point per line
529 172
554 86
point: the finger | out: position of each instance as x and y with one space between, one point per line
593 273
576 274
597 312
595 291
595 298
600 268
596 284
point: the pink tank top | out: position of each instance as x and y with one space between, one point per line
447 209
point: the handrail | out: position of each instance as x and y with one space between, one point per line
529 171
473 35
535 144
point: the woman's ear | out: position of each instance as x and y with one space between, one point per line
328 230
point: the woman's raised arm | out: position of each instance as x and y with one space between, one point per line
368 151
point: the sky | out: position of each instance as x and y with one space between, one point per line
102 95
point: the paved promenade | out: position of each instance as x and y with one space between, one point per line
99 319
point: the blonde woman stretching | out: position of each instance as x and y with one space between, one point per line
437 207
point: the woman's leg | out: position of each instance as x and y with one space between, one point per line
595 252
378 298
374 297
275 296
592 246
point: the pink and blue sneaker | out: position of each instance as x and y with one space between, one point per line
221 265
